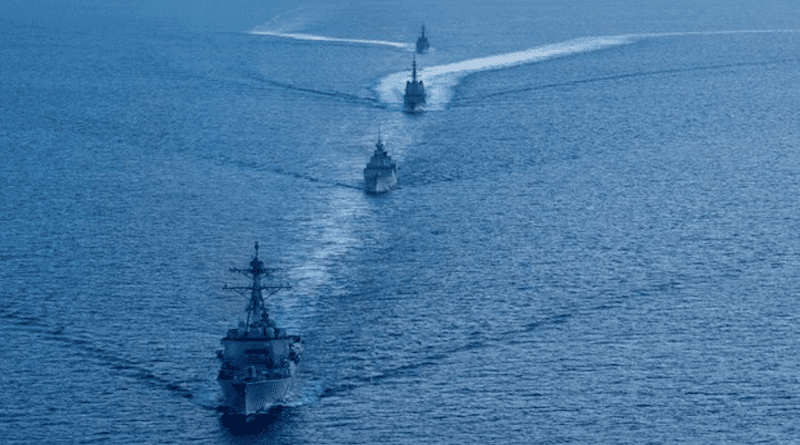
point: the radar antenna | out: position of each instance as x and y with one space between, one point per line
256 309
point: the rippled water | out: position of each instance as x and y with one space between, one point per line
595 238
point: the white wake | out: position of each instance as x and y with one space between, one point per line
440 80
311 37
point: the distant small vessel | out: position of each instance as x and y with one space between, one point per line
259 360
380 174
422 42
415 91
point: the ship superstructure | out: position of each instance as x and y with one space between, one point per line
380 174
415 91
422 41
259 359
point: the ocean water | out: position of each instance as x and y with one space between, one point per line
595 238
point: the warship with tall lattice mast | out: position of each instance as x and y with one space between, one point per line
259 359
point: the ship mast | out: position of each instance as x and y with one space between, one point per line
256 309
414 70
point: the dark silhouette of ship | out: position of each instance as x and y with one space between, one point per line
415 91
422 42
380 175
259 360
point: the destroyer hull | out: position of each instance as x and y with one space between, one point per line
381 184
413 103
255 397
259 360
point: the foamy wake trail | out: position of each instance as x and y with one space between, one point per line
440 80
299 36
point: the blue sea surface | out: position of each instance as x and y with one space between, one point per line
595 239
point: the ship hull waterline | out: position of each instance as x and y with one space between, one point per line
381 184
257 397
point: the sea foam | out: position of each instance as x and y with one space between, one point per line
440 80
311 37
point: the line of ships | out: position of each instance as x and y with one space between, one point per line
380 174
259 359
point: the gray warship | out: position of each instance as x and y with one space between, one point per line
415 91
259 360
380 174
422 42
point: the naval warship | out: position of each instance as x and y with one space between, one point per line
415 91
422 42
259 360
380 174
